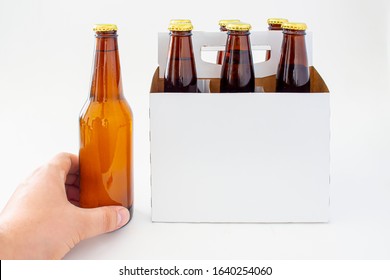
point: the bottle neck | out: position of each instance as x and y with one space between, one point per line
180 46
238 41
294 48
106 77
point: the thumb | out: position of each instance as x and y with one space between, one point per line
103 219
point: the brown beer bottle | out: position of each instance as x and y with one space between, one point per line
222 27
180 74
106 128
274 24
237 73
293 73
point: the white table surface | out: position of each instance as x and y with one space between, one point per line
45 63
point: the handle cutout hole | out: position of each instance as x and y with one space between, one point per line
210 54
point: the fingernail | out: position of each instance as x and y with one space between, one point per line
123 216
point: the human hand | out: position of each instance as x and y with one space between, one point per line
42 221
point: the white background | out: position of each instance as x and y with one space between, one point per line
46 50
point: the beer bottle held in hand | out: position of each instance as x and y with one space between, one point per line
237 73
222 27
180 74
106 128
293 74
274 24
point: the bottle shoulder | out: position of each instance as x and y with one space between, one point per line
117 109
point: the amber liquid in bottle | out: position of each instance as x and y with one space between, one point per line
106 127
293 73
180 74
237 74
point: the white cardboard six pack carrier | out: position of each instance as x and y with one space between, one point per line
239 157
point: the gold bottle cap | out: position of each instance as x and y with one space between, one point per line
224 22
185 26
238 26
294 26
276 20
174 21
104 27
